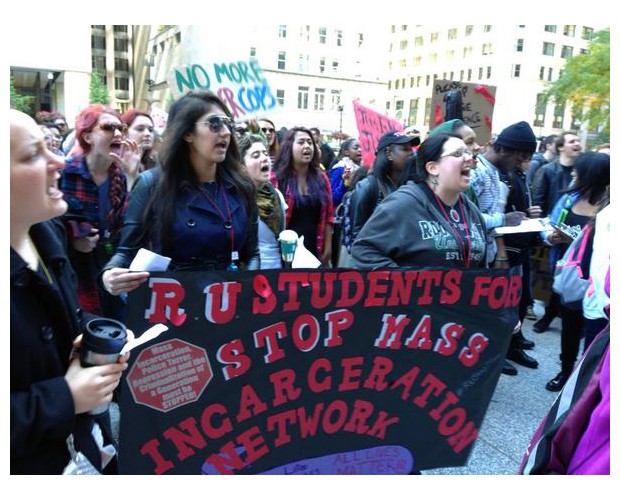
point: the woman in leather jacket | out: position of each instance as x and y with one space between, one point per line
199 207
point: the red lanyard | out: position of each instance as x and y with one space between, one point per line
463 244
234 256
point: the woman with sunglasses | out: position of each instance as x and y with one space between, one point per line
308 194
442 226
198 207
97 177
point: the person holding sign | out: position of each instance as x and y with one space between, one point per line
199 207
442 227
306 189
270 201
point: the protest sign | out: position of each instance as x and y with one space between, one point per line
371 125
478 103
313 371
242 85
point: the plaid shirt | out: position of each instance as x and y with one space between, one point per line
327 213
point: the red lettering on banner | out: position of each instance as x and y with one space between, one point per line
267 337
314 384
266 301
318 301
377 378
406 380
428 279
421 337
180 440
221 301
499 291
309 323
470 355
278 423
450 333
349 279
432 385
232 355
290 282
352 370
392 331
151 448
228 97
250 405
166 302
376 288
451 293
284 389
253 443
337 321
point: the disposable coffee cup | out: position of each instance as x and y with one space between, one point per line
102 342
288 244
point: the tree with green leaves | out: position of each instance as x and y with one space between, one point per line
98 91
20 102
585 84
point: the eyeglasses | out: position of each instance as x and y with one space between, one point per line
113 127
458 153
267 130
216 122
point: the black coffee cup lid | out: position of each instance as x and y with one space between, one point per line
104 336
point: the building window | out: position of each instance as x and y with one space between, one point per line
427 110
541 109
120 45
575 123
452 34
121 83
519 46
586 33
335 66
419 41
488 72
282 31
322 35
428 80
433 58
480 72
417 61
567 52
434 37
403 44
280 97
516 70
469 75
396 84
413 110
97 42
302 97
252 51
487 28
569 30
462 77
551 28
120 28
335 99
487 49
319 99
402 63
541 73
360 39
451 75
549 74
339 38
398 109
469 29
121 64
548 48
322 65
412 82
467 51
450 55
558 115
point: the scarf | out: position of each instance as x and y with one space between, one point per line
269 208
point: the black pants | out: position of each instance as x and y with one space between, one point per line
572 324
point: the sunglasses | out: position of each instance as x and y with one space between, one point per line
113 127
267 130
216 122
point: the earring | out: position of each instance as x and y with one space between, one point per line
434 180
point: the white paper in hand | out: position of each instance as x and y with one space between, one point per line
304 258
145 260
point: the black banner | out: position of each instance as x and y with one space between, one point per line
313 371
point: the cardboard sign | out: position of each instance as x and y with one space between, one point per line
478 103
313 371
371 125
240 84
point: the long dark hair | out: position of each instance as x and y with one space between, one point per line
177 172
285 171
593 176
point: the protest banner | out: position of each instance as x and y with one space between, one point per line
240 84
371 125
313 371
478 103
